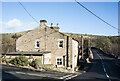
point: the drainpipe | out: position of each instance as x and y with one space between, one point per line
82 46
67 51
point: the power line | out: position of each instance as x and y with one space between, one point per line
28 12
96 15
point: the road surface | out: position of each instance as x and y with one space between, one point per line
102 68
13 73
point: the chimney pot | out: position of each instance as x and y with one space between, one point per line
51 24
57 25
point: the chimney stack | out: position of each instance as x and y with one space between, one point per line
43 22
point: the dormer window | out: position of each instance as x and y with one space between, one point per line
60 43
37 44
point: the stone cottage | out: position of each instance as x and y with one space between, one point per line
50 45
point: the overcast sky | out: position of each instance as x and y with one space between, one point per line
71 17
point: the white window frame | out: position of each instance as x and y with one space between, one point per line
36 44
59 42
59 61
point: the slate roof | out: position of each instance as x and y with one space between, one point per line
35 53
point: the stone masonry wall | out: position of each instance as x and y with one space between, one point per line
48 38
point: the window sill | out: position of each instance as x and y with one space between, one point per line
60 47
36 47
59 65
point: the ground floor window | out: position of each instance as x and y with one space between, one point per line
59 61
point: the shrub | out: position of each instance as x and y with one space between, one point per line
36 63
15 36
19 61
31 57
3 59
77 67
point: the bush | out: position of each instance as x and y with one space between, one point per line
3 59
77 67
15 36
36 63
19 61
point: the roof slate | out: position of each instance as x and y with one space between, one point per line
28 53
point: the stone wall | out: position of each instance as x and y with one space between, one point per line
74 53
48 38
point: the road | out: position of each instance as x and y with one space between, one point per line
13 73
102 68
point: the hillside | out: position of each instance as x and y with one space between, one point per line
8 41
108 44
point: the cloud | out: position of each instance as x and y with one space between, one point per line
14 23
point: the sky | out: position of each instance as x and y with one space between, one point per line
72 18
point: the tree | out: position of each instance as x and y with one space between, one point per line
104 43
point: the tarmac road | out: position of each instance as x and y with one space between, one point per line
19 74
102 68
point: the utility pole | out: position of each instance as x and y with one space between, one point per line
82 47
88 44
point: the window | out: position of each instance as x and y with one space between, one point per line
59 61
60 44
37 44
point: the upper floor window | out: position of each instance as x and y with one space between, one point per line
60 43
37 44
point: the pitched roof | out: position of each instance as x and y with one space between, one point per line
35 53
